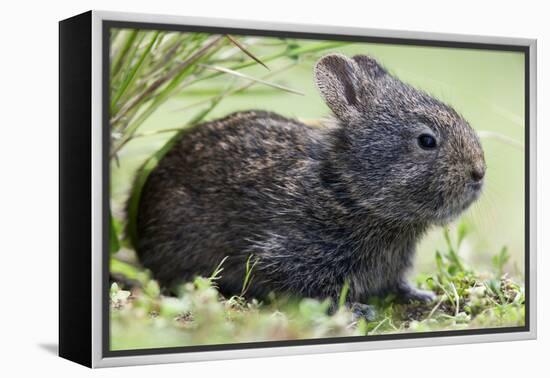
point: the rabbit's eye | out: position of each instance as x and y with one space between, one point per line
427 141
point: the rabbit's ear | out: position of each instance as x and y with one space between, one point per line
369 67
337 78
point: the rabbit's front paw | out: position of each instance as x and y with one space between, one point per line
362 311
407 293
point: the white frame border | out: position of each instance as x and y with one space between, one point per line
97 196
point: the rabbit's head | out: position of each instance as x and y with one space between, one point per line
405 155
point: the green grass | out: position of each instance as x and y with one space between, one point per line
150 68
142 317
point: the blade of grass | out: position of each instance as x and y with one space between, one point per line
248 274
128 80
216 273
119 58
343 294
457 298
128 60
452 254
245 50
247 77
434 309
241 88
183 69
380 324
291 53
462 231
169 52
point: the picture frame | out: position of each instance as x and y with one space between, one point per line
84 162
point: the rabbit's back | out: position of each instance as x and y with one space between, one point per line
218 189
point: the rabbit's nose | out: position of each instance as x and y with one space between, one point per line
477 173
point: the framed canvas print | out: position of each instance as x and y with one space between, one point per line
232 189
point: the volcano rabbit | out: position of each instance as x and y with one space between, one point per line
316 206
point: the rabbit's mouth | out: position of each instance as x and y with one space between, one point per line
454 208
473 191
475 187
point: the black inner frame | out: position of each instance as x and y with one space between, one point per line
107 25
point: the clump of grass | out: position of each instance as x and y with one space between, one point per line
143 317
466 298
150 67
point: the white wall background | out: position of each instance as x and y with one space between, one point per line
28 189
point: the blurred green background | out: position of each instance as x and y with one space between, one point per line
486 87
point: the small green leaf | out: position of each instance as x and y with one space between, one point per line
500 260
152 289
462 232
343 294
439 261
452 270
127 270
447 236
